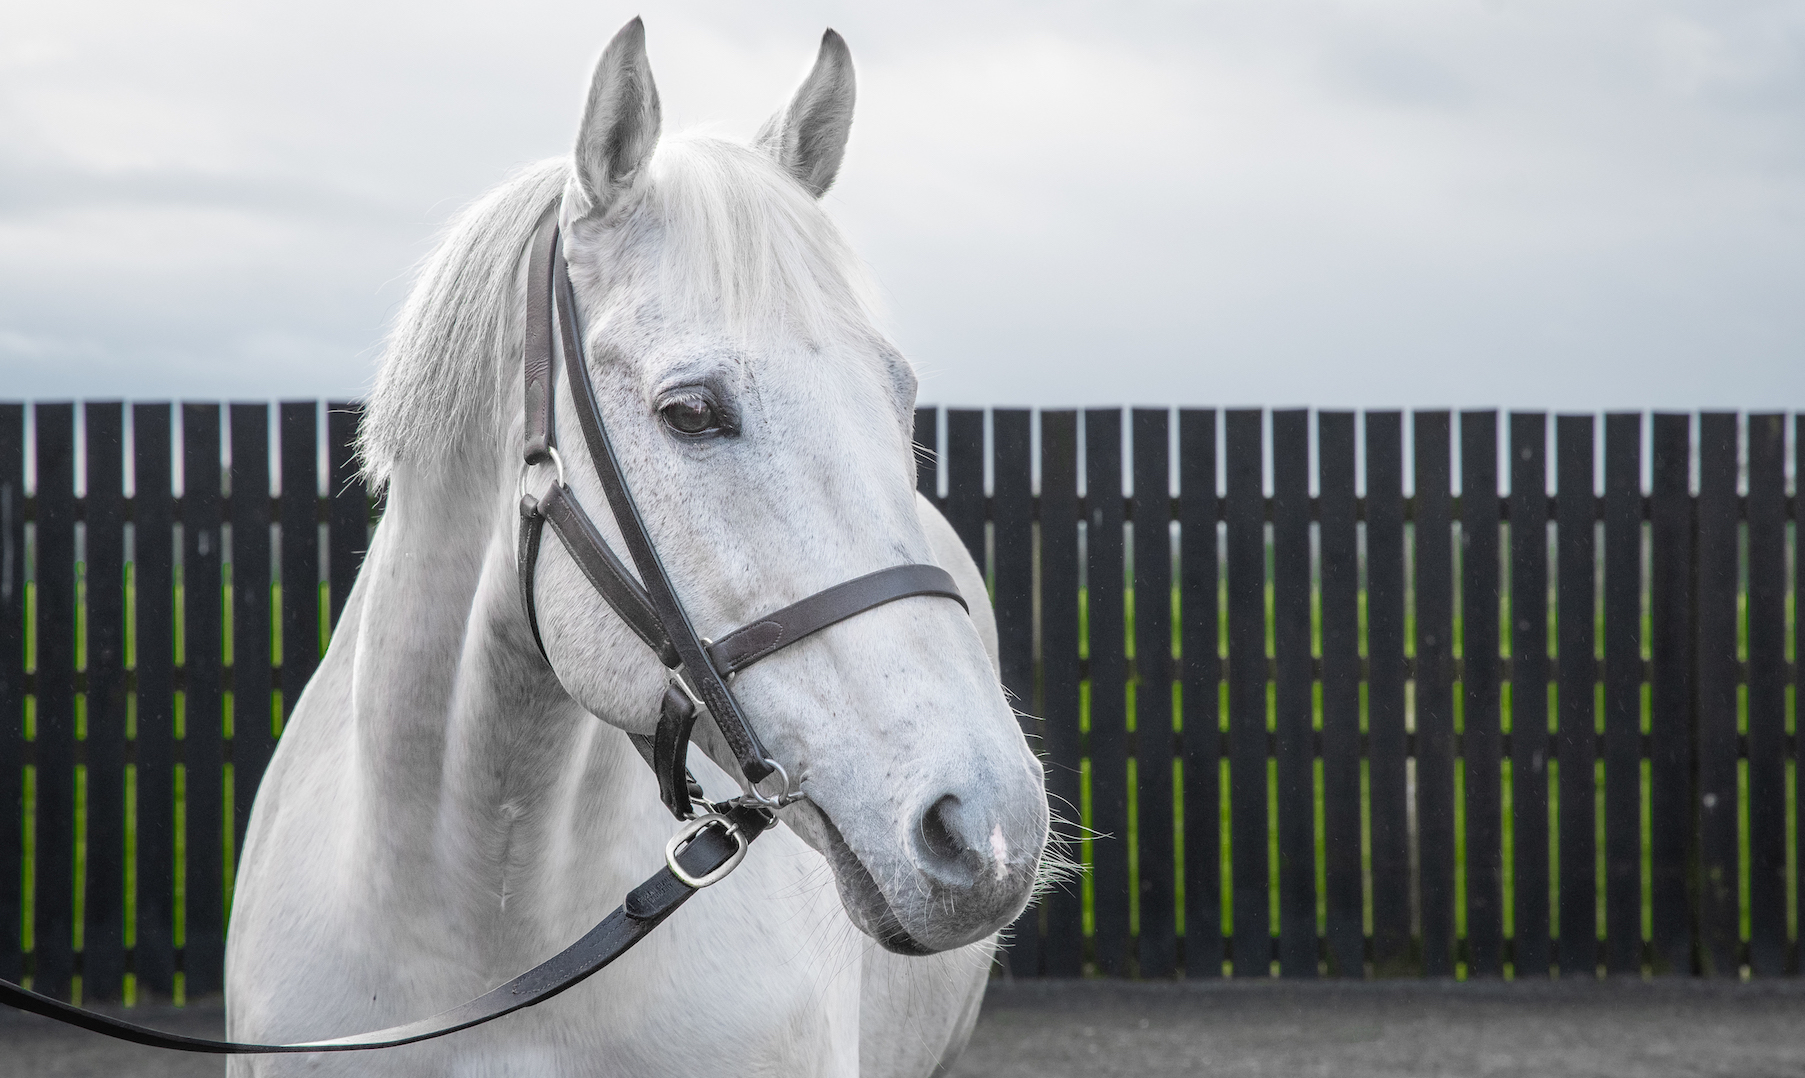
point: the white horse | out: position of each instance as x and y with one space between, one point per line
446 810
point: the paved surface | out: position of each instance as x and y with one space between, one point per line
1240 1029
1257 1030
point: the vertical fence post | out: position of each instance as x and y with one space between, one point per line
300 549
203 745
1059 675
1013 580
1341 753
1153 693
965 479
1576 568
1767 694
1106 639
1433 547
103 933
53 937
1533 952
253 720
1623 692
347 506
1293 695
1481 741
1247 722
1715 718
13 746
1200 647
153 653
1671 825
927 453
1388 807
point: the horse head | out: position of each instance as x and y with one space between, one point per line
764 422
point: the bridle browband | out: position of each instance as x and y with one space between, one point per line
716 835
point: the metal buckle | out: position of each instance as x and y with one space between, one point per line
525 468
687 833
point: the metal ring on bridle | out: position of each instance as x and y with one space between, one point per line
525 468
785 794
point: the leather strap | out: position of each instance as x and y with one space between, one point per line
603 570
644 909
536 357
526 562
706 680
745 646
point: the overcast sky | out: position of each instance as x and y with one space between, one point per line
1416 202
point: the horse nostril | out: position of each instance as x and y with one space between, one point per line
945 848
937 830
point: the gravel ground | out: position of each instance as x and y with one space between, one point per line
1065 1029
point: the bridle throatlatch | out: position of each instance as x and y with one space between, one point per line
715 836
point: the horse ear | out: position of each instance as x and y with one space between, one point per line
621 121
808 138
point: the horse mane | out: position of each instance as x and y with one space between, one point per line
726 238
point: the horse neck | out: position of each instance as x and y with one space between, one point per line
474 759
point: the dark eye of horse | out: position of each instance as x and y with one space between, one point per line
691 415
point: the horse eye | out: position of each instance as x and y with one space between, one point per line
691 415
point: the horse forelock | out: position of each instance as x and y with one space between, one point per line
719 236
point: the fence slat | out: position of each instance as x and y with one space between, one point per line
1623 692
1481 742
53 934
153 653
1341 756
1576 511
1798 658
1247 726
103 931
1433 548
348 505
927 452
1106 640
965 478
1201 691
1532 953
300 549
1058 701
12 690
253 721
1715 723
1767 694
1293 695
1670 699
203 748
1153 694
1013 580
1386 780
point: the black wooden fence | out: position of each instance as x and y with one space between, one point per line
139 705
1289 753
1388 733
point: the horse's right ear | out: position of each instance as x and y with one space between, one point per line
621 124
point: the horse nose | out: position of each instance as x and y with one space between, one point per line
953 842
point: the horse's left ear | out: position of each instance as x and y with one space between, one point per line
808 138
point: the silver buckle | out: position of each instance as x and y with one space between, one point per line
687 833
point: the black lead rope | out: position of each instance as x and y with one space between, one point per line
717 842
709 845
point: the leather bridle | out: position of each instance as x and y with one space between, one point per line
716 835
